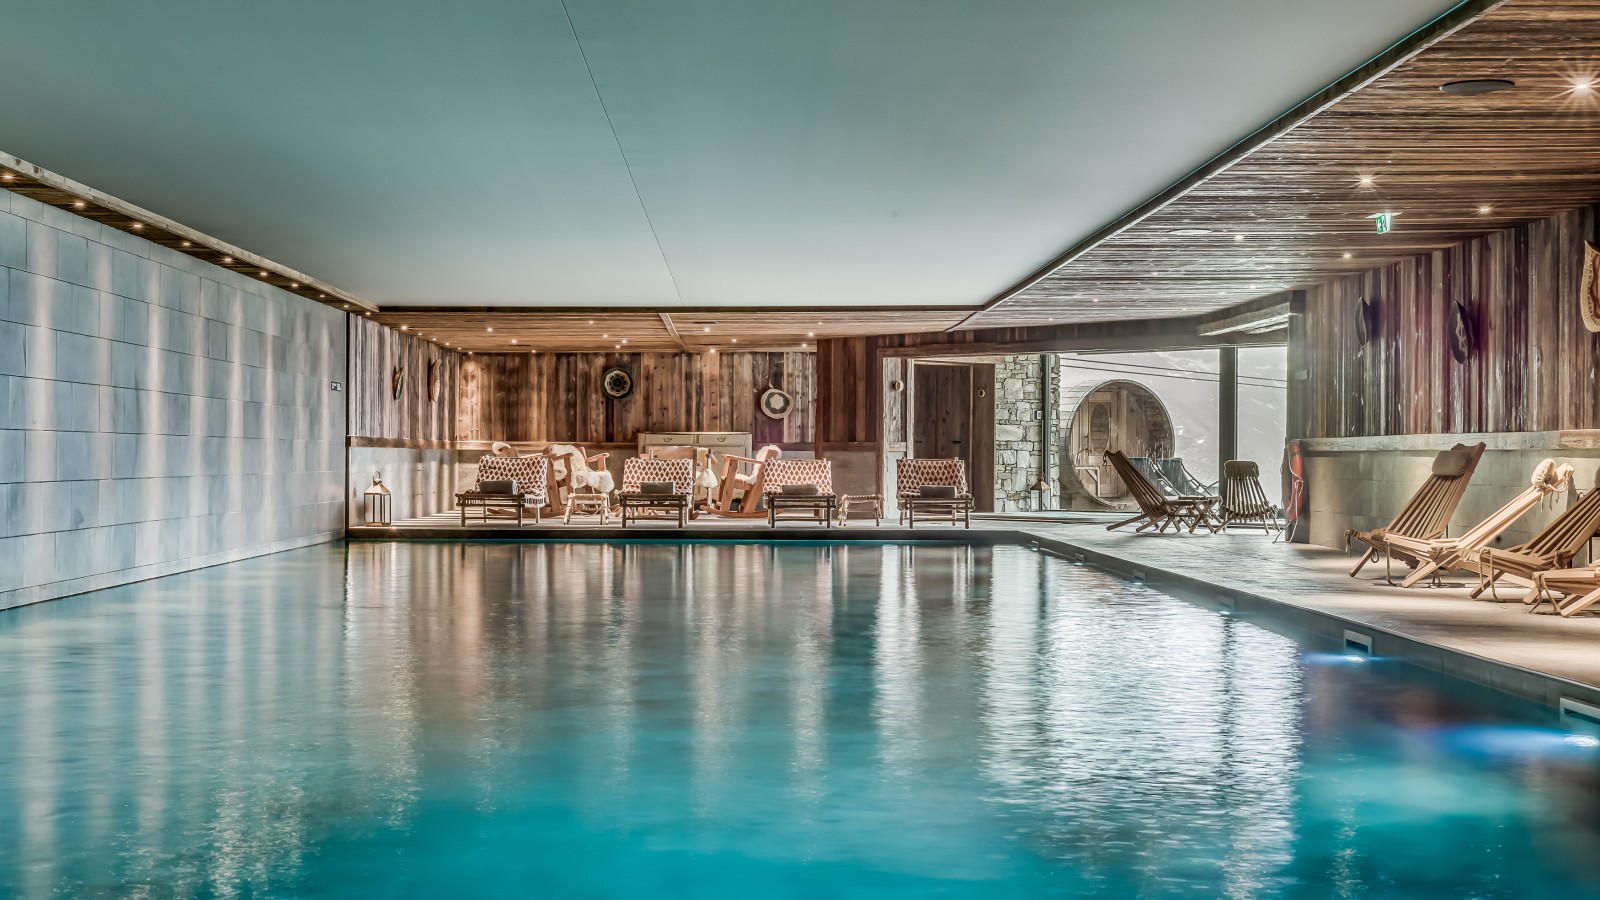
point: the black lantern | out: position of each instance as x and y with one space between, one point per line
375 502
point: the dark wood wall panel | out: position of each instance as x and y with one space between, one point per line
375 352
557 396
1533 364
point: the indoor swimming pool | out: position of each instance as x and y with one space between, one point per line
715 720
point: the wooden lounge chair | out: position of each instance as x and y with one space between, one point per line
1580 589
1244 502
1444 554
1550 549
949 495
705 480
638 505
742 487
1428 512
787 478
575 471
1156 510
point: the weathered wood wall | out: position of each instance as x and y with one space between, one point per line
557 396
1533 365
375 352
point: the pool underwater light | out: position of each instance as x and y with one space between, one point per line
1359 641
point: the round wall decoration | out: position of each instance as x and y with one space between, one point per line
1366 321
776 404
617 383
1459 333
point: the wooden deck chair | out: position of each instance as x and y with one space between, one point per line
744 487
705 480
1428 512
800 484
529 476
1243 499
1580 589
1156 510
576 472
1551 549
1444 554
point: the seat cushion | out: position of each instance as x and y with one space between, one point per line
938 491
1450 463
800 490
655 487
497 487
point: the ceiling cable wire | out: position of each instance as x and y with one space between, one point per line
622 153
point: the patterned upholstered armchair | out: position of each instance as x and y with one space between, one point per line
640 497
529 478
805 484
936 486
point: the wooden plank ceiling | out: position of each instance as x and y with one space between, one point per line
1296 212
648 331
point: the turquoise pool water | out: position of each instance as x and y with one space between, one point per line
738 721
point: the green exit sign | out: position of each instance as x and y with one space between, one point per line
1385 222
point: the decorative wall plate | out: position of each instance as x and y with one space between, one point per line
616 383
433 381
1366 321
776 404
1458 333
399 382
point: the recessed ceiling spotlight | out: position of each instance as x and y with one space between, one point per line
1366 179
705 329
1097 299
811 334
1186 232
295 285
1485 209
488 329
1347 256
591 321
513 340
227 259
1238 237
263 274
138 225
1252 287
1477 86
405 327
605 335
736 340
713 349
618 346
1155 273
78 204
186 243
624 340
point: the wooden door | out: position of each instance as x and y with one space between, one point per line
943 417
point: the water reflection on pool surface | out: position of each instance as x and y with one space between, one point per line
738 720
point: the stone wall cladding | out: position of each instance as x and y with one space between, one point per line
1018 383
157 413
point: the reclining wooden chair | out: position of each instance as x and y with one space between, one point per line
805 484
1550 549
705 480
1444 554
1243 499
745 488
1428 512
1156 510
525 476
1580 589
656 489
576 472
936 486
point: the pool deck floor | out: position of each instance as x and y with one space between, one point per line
1541 657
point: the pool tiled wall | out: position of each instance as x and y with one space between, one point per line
157 413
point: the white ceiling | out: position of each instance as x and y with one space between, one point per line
847 152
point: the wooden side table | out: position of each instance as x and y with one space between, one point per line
500 501
817 503
875 499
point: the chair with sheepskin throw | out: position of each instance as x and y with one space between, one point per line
580 479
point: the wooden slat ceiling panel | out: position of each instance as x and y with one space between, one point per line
1296 211
644 331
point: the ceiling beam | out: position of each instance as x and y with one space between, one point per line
1405 49
673 330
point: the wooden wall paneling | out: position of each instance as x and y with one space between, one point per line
375 351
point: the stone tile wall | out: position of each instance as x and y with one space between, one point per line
1018 384
157 413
